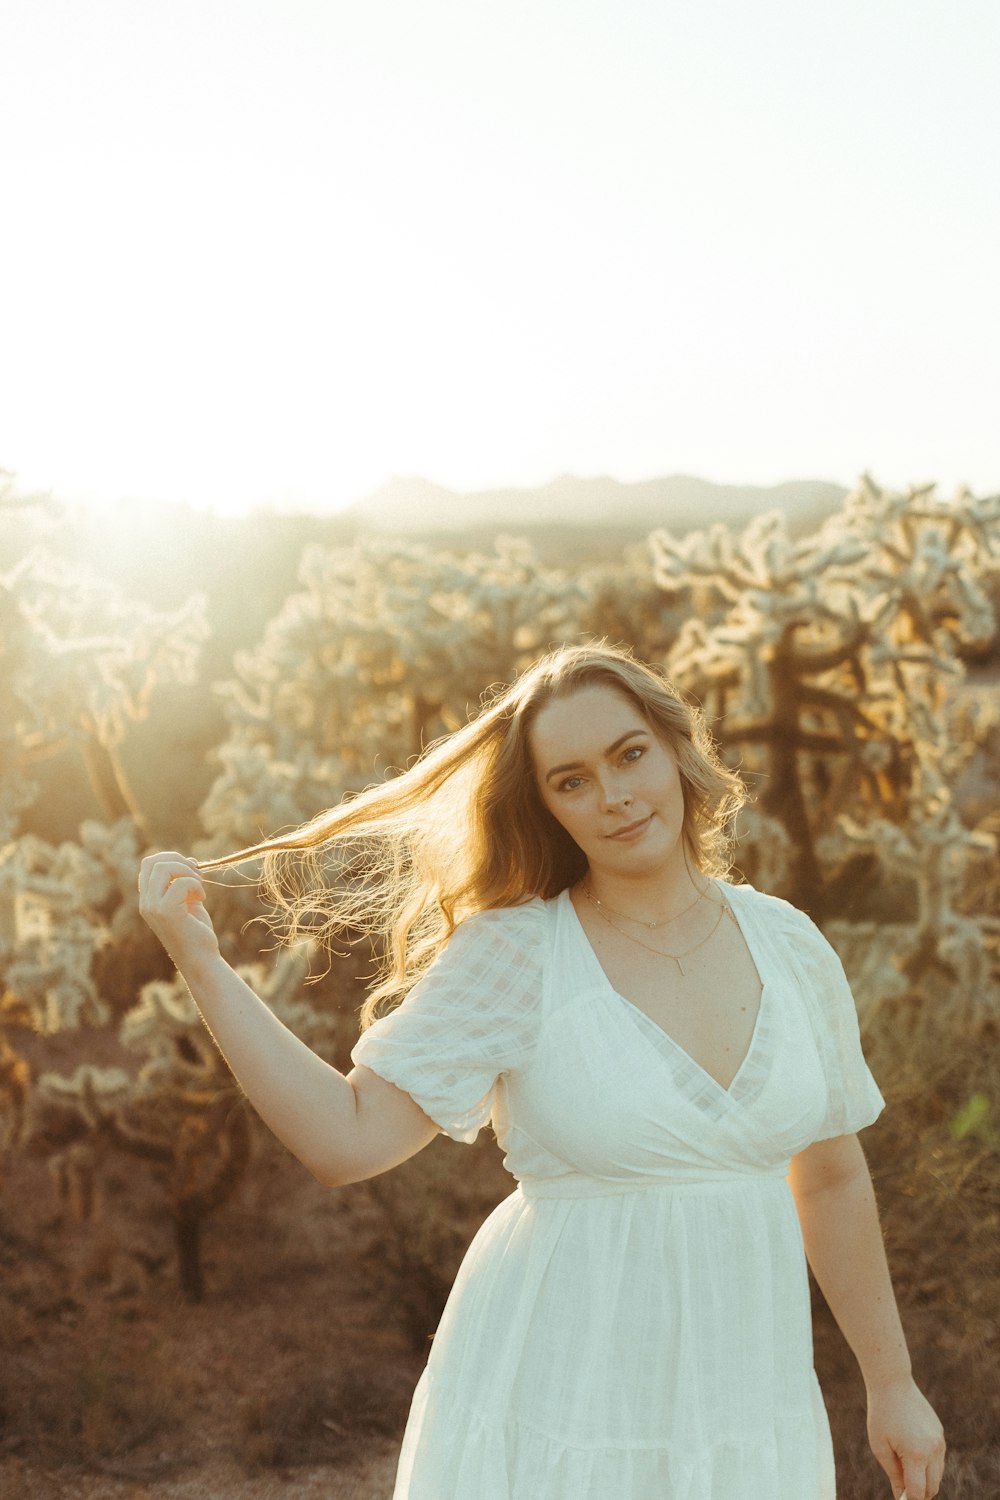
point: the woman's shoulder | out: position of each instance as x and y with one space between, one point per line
781 915
505 947
524 921
786 922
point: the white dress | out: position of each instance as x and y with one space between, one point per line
633 1321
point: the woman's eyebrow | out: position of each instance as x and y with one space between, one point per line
572 765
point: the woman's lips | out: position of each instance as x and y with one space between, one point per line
632 831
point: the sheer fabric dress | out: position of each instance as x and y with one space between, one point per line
633 1321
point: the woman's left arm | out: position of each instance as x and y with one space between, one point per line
836 1205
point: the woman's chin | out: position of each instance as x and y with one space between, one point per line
655 858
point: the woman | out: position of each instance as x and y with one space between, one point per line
672 1066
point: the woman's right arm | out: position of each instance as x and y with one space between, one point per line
344 1129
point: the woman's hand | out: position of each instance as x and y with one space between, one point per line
906 1438
172 902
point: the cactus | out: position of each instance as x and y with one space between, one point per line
181 1114
831 675
80 662
387 646
830 666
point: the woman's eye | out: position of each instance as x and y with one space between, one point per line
634 750
569 785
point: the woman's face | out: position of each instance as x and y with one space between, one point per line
607 778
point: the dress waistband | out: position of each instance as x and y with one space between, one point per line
577 1186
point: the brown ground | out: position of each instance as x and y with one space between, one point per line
293 1378
284 1382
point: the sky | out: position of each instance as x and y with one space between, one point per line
269 253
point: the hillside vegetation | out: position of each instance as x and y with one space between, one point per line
178 681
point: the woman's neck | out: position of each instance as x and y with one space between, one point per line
648 896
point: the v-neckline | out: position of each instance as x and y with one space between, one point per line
672 1041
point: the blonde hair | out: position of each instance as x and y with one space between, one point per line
465 829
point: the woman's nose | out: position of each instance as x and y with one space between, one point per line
615 793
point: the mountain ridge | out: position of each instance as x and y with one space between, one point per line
412 503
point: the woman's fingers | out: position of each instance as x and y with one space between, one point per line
157 870
172 904
184 886
163 876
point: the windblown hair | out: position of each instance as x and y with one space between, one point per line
465 829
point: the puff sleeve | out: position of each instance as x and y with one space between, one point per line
853 1097
473 1016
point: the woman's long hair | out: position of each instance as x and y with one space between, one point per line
465 829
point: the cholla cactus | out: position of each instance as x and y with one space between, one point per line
943 952
67 915
78 662
181 1114
50 929
68 1115
829 667
386 647
82 662
830 676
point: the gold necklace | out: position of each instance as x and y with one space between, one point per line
677 957
663 921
